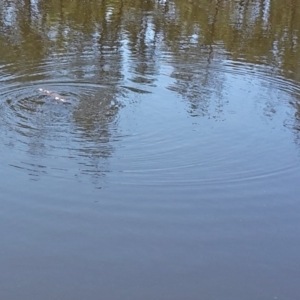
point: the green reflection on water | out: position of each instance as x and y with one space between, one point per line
124 43
255 31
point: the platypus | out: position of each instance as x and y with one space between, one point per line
53 95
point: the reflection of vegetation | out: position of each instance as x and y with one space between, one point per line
122 42
258 31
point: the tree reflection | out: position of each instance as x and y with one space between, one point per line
112 44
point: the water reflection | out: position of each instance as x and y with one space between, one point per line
184 113
101 52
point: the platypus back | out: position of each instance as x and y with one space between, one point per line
53 95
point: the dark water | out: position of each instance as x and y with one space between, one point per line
172 172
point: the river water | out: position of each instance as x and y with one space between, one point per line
171 171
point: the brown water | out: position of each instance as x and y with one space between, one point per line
172 172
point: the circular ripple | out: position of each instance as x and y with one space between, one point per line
169 148
57 133
26 112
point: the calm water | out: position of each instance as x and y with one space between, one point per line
172 170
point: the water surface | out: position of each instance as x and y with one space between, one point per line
172 170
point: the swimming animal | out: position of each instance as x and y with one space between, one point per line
53 95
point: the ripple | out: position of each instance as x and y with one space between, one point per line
179 156
265 76
80 130
158 140
249 144
25 110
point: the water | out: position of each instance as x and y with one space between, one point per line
172 170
